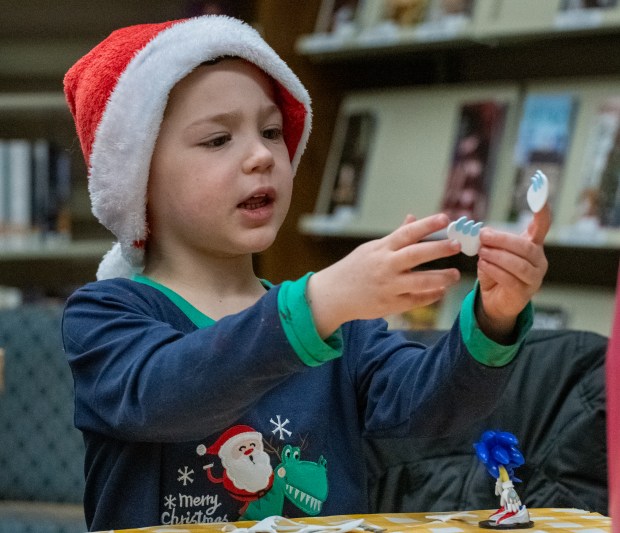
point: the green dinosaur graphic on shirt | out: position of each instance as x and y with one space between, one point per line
303 482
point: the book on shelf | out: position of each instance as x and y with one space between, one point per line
480 128
572 5
579 14
338 17
357 137
40 183
440 9
403 13
420 20
338 205
59 205
543 140
446 18
35 190
19 190
598 200
499 18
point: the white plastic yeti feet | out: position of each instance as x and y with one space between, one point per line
538 191
467 233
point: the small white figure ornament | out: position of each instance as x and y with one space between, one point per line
467 231
538 191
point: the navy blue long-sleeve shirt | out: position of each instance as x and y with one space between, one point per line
193 420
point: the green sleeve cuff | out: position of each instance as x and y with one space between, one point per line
483 349
299 328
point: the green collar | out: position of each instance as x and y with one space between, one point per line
198 318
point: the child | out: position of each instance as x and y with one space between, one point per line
203 393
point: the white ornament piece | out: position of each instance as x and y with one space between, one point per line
279 524
538 192
467 233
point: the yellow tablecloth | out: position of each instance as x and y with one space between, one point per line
545 521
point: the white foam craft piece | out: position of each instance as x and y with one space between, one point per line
538 191
467 232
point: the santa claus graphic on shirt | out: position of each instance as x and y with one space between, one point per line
247 471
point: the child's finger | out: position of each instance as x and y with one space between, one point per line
420 299
503 278
413 232
420 253
518 245
408 220
539 226
517 268
426 280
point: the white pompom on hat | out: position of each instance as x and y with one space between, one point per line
117 94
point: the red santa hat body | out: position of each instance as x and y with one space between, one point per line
117 94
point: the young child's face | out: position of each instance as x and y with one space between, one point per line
221 177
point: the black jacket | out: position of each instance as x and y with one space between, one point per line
554 404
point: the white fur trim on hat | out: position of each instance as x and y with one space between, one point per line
115 265
127 132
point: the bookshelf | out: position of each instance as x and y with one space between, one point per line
53 259
415 129
478 23
38 43
405 76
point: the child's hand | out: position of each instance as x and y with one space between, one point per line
510 271
376 279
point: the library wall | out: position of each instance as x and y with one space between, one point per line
402 81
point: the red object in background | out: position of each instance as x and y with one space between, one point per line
612 368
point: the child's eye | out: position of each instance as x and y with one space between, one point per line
273 133
216 142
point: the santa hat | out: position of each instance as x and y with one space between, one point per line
117 94
229 439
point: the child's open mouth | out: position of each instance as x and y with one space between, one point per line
256 202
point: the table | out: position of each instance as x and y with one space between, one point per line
545 521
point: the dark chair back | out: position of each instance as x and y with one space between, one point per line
554 404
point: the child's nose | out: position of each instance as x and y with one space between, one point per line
259 157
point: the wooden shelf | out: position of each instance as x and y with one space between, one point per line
33 102
490 25
35 249
324 48
52 269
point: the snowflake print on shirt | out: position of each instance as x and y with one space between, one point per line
280 427
185 475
